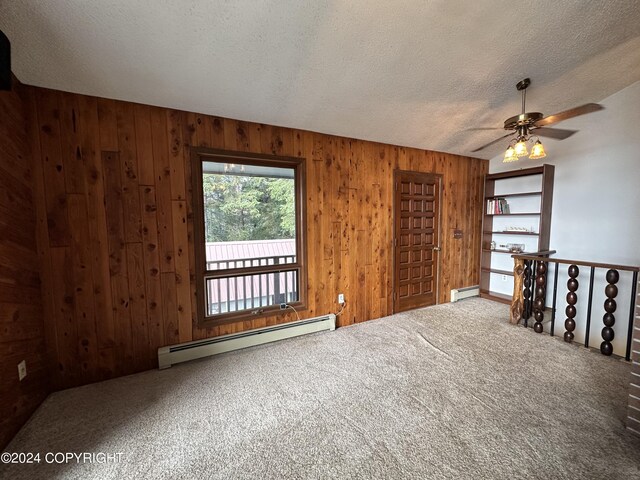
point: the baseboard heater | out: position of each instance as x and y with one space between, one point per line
460 293
184 352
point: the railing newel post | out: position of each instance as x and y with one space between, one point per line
517 299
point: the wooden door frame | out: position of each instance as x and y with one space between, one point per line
440 177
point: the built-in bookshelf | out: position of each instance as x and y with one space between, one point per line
517 214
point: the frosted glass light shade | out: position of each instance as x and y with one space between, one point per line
510 155
537 151
521 148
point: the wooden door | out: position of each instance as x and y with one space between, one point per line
416 239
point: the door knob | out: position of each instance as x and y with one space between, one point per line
436 249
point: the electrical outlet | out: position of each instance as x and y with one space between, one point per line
22 370
341 298
283 306
504 278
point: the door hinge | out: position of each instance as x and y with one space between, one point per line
395 242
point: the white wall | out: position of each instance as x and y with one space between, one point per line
596 203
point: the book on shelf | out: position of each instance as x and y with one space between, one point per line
497 206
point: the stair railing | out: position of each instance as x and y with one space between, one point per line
530 295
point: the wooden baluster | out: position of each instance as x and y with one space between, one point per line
517 300
532 275
540 291
555 298
572 299
609 319
634 286
527 292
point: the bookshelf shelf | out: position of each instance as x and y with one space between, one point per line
508 232
502 250
498 271
527 214
511 195
525 188
496 297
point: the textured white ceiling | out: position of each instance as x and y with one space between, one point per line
411 72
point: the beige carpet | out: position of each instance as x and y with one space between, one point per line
451 391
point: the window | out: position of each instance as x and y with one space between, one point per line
249 234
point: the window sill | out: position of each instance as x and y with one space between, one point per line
216 321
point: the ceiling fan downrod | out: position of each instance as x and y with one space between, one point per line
522 86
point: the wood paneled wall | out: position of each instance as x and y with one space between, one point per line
21 320
114 189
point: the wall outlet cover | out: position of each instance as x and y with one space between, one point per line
22 370
341 298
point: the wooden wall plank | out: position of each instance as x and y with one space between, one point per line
42 231
52 164
203 130
170 308
162 168
120 294
183 283
68 364
144 144
188 133
97 222
138 307
19 321
153 286
20 399
175 119
129 172
107 116
70 143
216 132
82 288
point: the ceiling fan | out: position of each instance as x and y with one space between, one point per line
527 125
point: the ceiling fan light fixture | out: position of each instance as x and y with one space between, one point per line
510 155
523 124
537 151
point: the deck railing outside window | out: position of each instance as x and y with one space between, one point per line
251 291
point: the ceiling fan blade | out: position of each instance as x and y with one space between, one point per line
572 112
491 143
557 133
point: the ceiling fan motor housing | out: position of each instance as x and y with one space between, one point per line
523 120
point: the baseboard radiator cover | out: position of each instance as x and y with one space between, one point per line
460 293
185 352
